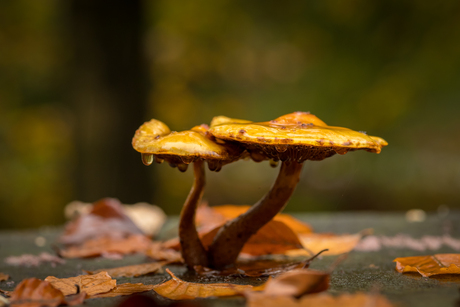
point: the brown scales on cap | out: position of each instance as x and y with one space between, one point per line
179 149
293 139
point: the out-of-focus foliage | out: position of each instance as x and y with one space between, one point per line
391 68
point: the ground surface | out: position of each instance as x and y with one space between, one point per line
362 271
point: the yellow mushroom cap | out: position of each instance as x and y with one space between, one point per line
179 148
299 135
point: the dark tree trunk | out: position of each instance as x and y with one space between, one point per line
109 94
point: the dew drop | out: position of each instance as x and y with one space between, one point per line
257 156
187 160
213 165
182 167
147 159
159 160
172 164
273 163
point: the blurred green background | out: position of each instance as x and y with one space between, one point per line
78 77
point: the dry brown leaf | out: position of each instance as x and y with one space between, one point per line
255 299
125 289
160 251
177 289
4 276
108 245
132 270
91 284
29 260
429 265
274 238
335 244
210 217
298 282
106 219
33 292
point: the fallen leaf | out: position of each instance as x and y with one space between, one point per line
160 251
106 219
149 218
4 276
255 299
210 217
335 244
29 260
273 238
125 289
91 284
33 292
107 245
299 282
132 270
177 289
429 265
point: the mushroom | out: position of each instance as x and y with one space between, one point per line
179 149
293 139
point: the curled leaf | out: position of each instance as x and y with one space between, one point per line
429 265
125 289
132 270
177 289
91 284
298 282
335 244
33 292
107 245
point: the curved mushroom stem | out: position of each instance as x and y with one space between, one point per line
193 251
234 234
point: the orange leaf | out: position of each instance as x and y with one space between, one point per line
91 284
298 282
336 244
132 270
33 292
211 217
107 245
4 276
274 238
177 289
125 289
255 299
429 265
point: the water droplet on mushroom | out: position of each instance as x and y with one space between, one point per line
281 148
147 159
182 167
273 163
257 156
213 165
186 159
172 164
159 160
341 150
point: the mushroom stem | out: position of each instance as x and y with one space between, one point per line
234 234
193 251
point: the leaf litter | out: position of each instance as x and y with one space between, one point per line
132 270
429 265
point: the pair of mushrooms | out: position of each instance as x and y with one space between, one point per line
292 138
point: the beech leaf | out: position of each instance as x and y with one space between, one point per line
255 299
4 276
125 289
132 270
107 245
298 282
177 289
160 251
335 244
91 284
33 292
429 265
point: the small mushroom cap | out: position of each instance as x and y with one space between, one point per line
305 135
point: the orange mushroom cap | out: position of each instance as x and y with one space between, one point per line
299 136
154 138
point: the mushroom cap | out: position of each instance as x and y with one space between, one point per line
179 148
300 136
